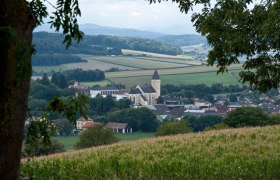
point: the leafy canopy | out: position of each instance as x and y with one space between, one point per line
241 28
63 18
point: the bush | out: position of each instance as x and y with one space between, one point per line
218 126
39 149
95 136
171 128
274 119
247 116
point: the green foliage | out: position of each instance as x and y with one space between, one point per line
64 127
274 119
40 148
247 153
200 123
247 116
218 126
95 136
39 131
70 106
102 106
141 119
101 45
171 128
41 59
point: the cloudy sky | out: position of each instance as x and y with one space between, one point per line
137 14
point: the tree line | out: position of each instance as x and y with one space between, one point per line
101 45
54 59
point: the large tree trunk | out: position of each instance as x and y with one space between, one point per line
16 26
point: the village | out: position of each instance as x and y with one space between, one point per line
174 108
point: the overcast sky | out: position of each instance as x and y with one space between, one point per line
138 14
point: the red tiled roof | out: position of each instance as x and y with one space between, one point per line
89 124
113 125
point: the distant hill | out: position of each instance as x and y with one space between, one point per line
100 45
93 29
183 40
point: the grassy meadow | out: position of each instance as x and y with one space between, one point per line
247 153
70 141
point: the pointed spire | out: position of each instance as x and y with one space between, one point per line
155 76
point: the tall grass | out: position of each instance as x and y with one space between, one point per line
248 153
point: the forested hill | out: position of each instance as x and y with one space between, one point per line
100 45
183 40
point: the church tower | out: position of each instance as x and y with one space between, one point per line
156 83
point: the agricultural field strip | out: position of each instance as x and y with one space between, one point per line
169 60
170 71
137 64
127 51
125 59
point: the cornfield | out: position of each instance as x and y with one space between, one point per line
246 153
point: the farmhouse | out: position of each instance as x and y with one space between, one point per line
119 127
82 123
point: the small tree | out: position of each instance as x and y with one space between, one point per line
40 149
171 128
247 116
95 136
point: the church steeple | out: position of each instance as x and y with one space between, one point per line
155 76
155 82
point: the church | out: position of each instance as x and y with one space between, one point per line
146 94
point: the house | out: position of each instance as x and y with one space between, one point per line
121 94
202 103
83 123
177 113
146 94
104 91
160 110
119 127
79 86
173 102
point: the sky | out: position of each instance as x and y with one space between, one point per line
137 14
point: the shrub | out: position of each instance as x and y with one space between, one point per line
39 149
247 116
171 128
218 126
95 136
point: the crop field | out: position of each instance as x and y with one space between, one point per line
247 153
138 70
177 76
140 63
127 52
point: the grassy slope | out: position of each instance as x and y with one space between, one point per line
249 153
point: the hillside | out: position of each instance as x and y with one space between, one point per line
248 153
100 45
183 40
93 29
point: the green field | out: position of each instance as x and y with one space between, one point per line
99 83
247 153
69 141
194 75
138 70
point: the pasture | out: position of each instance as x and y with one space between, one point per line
70 141
138 70
246 153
